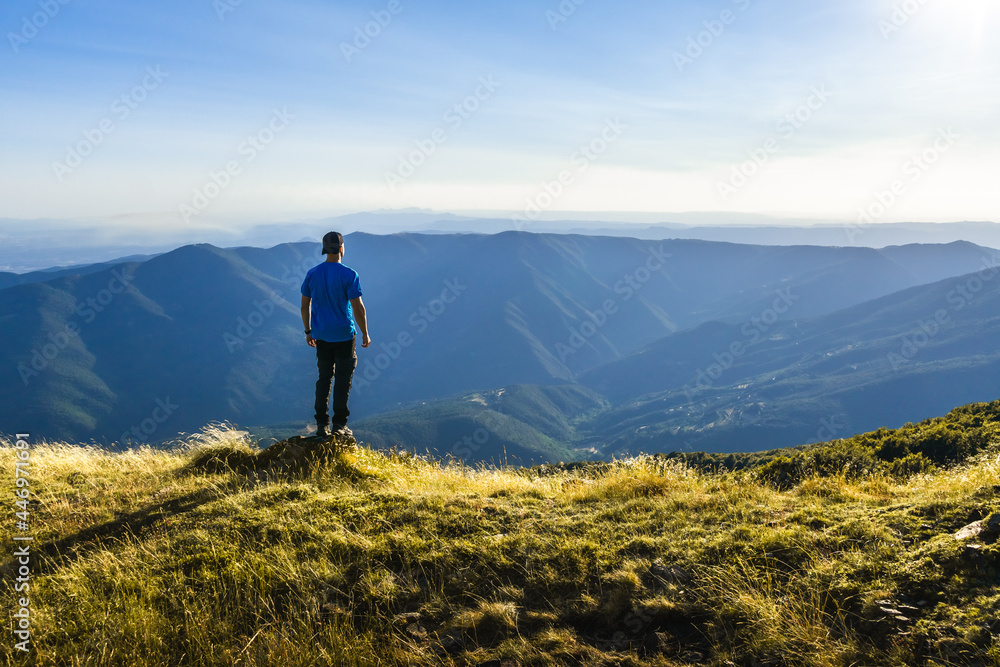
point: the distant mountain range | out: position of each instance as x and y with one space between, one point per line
732 388
32 245
556 346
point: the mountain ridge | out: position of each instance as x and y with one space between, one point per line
216 332
731 387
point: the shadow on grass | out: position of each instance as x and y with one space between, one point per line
66 550
283 461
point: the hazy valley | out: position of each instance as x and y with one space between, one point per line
531 346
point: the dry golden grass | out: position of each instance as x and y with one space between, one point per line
143 559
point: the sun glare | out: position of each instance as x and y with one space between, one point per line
969 19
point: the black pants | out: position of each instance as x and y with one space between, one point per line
336 362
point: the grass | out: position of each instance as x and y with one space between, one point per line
189 557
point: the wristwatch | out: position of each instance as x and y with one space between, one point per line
308 331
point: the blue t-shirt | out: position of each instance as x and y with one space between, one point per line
331 286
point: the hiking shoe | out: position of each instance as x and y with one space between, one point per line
322 431
342 431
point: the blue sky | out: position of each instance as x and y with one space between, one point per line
672 125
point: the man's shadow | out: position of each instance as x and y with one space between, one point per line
282 460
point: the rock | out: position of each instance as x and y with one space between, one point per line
990 525
416 631
300 452
972 530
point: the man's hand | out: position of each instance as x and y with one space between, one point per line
361 317
310 341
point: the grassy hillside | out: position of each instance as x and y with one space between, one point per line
365 558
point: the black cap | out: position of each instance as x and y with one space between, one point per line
332 243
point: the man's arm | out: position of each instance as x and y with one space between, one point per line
306 301
358 306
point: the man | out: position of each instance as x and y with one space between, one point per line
332 292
